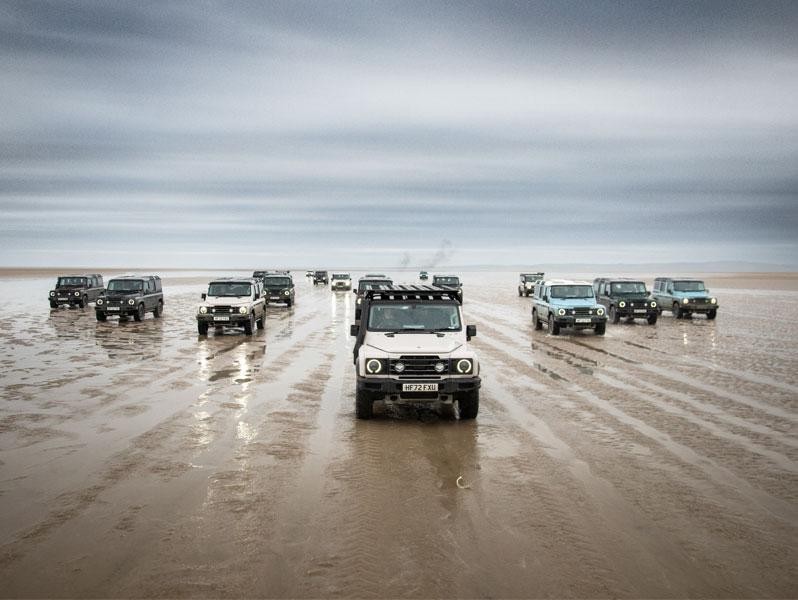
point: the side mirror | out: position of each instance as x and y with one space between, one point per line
354 329
471 331
204 295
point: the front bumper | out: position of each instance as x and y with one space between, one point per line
341 286
636 312
276 296
697 307
381 387
235 320
579 322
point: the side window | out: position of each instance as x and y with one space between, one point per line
150 285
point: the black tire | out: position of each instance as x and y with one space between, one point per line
158 310
712 314
554 329
202 328
652 319
84 302
138 316
357 314
469 404
53 304
249 325
615 317
677 311
260 322
364 405
519 292
535 321
289 303
101 316
601 328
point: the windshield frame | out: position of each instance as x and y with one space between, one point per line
222 284
452 307
587 287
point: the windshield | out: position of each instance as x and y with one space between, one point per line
321 273
277 282
572 291
414 317
374 284
230 288
629 287
533 277
340 276
125 285
260 274
688 286
65 281
448 280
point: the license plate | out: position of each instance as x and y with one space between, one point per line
221 318
274 297
63 299
640 310
112 309
420 387
582 320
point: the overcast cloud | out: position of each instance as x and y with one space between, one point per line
244 134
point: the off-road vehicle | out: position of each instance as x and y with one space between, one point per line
321 277
626 299
527 281
278 288
448 282
683 297
341 281
423 275
365 284
564 303
131 295
232 302
308 273
76 290
412 347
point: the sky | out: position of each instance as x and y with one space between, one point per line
420 134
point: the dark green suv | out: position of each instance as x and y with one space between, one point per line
626 299
278 288
131 296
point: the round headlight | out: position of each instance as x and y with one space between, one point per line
52 293
561 311
713 301
600 312
203 309
243 310
99 301
287 292
359 300
373 366
653 305
77 294
399 367
685 300
439 367
464 365
131 302
621 304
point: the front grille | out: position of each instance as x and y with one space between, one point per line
224 310
418 367
583 310
699 300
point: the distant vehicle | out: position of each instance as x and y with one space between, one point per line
76 290
232 302
412 348
423 275
625 298
261 274
278 288
527 281
683 297
308 273
448 282
365 284
376 275
564 303
320 277
131 295
341 281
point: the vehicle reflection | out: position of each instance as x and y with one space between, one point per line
137 341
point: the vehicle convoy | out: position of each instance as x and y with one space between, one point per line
365 284
423 275
320 277
232 302
278 288
448 282
131 295
527 281
412 348
564 303
683 297
625 298
341 281
76 290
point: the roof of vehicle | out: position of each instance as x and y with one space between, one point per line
383 276
551 282
541 273
404 292
233 280
678 279
614 279
340 273
82 275
136 277
280 275
375 278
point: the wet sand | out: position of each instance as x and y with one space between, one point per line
137 459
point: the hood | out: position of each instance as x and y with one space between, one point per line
573 302
227 300
702 294
414 343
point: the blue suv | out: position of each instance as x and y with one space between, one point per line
571 304
684 297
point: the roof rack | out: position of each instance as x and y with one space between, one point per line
404 292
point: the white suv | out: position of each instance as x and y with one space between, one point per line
232 303
341 281
412 348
